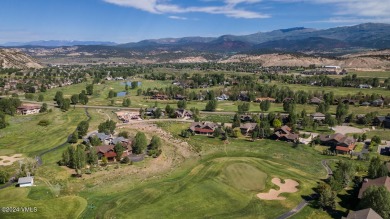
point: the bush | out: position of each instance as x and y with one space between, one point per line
44 122
125 160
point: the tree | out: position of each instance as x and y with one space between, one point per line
40 98
124 134
377 198
277 123
157 113
139 92
376 139
108 127
139 143
242 108
95 141
265 105
217 133
211 105
74 99
327 198
364 137
185 134
377 168
112 94
83 98
118 148
4 176
126 102
43 108
65 105
3 123
89 89
82 128
134 84
329 120
169 111
182 104
73 138
341 112
236 121
92 157
154 148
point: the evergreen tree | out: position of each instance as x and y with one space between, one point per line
139 143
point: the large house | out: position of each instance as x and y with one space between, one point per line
203 128
247 128
108 139
315 100
28 109
367 213
383 121
382 181
108 152
284 133
318 116
339 142
183 113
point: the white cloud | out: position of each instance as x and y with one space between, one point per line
370 8
177 18
161 7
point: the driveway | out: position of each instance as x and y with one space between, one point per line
347 129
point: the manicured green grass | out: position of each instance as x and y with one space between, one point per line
23 135
244 177
371 74
223 183
384 134
46 206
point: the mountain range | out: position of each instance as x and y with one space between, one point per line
297 39
55 43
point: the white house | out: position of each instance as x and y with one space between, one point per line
26 181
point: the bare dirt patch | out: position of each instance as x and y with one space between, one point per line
9 160
289 186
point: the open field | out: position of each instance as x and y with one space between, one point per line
46 205
25 136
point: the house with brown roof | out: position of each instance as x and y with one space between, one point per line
382 181
108 152
285 133
160 97
367 213
318 116
315 100
247 128
183 113
28 109
339 142
203 128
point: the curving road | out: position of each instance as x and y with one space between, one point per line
305 202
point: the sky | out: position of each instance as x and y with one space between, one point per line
125 21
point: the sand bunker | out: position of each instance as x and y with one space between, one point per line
288 187
7 161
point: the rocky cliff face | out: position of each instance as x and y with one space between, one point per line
10 58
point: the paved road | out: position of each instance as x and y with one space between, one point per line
305 202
